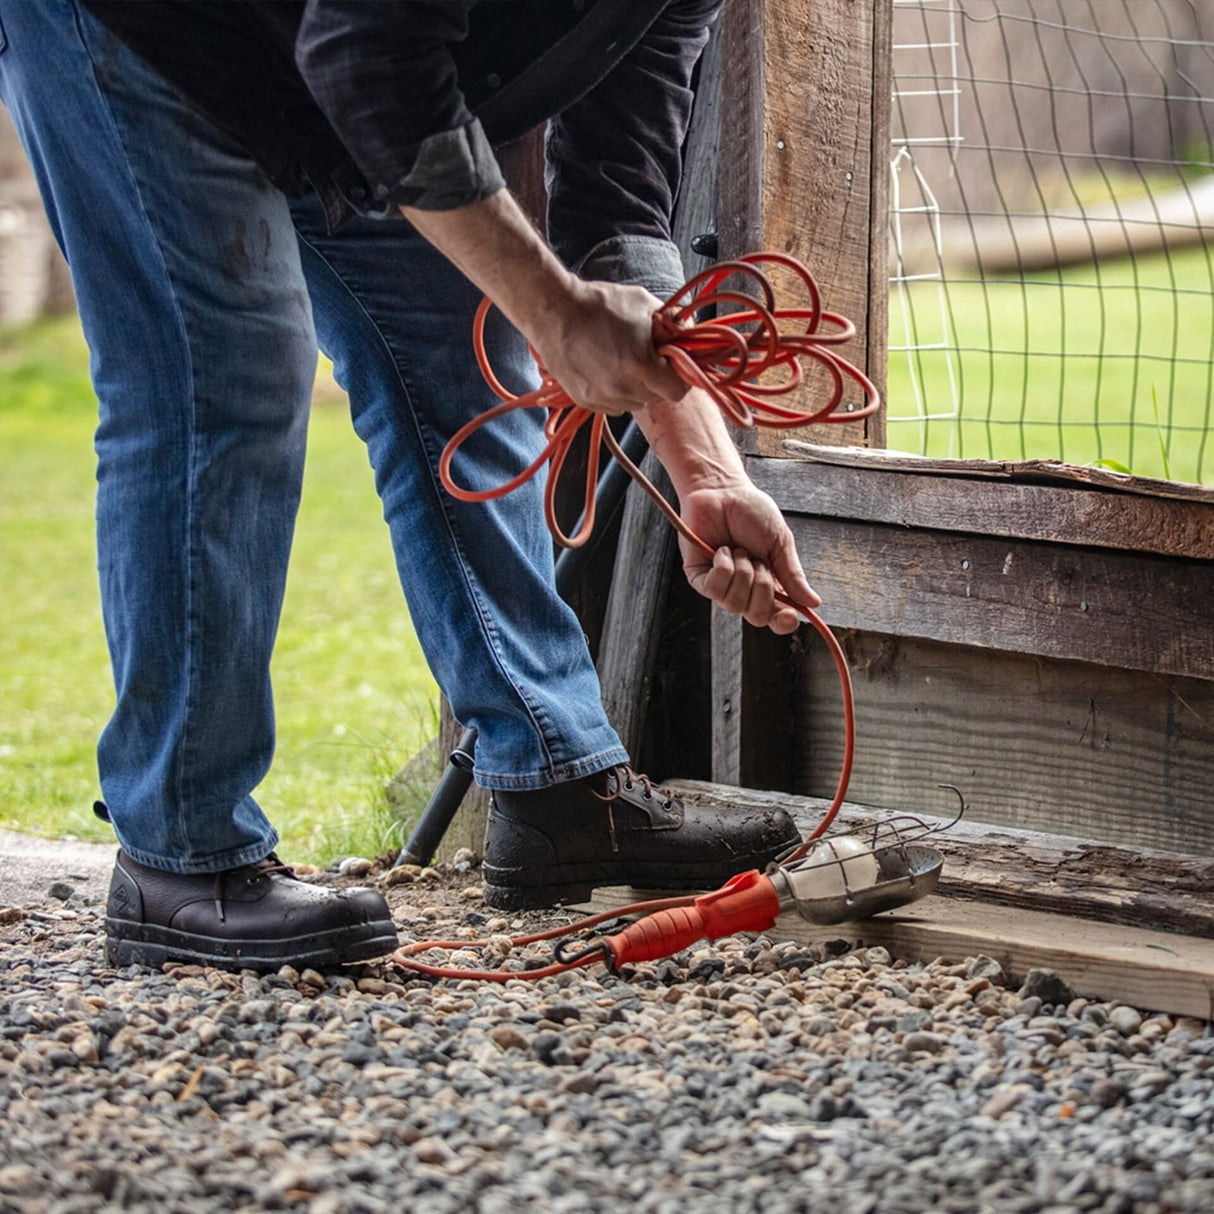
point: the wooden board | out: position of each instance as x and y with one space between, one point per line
644 565
942 498
1171 220
1155 971
1038 471
1063 747
727 699
467 828
1084 878
805 118
753 706
1141 612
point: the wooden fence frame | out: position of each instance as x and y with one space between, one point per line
1040 638
1009 582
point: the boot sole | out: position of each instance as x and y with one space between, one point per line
535 897
511 889
129 943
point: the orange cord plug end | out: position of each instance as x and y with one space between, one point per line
745 903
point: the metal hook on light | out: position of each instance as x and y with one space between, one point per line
960 812
564 957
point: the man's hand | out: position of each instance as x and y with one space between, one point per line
599 348
753 550
752 545
595 338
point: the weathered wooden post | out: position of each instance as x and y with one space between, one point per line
805 136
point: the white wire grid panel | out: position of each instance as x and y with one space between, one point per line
920 199
1052 200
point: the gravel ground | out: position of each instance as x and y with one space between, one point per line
742 1076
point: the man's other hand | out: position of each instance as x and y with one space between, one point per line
753 550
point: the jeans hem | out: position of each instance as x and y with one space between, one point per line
602 760
249 854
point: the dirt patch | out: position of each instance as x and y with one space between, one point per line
30 866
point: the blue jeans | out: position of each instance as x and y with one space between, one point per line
203 293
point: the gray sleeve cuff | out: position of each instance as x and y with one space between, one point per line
453 169
643 261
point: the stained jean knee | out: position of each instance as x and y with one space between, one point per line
202 350
507 651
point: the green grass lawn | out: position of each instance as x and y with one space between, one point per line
355 700
1028 401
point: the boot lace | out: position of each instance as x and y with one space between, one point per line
272 864
625 780
262 868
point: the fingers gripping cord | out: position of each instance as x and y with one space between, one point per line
744 360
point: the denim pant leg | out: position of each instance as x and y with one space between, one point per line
396 318
187 273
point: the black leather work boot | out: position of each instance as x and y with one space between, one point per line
258 917
557 844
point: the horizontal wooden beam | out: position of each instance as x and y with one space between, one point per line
1035 471
1134 887
1156 971
1129 610
982 505
1073 748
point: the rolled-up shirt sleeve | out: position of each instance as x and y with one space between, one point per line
382 73
614 158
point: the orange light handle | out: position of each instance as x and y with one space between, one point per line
745 903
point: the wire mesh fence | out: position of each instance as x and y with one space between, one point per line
1052 193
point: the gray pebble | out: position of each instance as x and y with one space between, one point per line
1047 986
739 1077
928 1043
1125 1020
784 1106
985 967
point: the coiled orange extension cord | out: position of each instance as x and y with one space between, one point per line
728 357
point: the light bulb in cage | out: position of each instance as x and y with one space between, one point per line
836 867
845 877
834 879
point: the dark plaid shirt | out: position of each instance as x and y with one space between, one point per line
377 103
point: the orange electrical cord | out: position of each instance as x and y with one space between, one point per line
404 955
726 356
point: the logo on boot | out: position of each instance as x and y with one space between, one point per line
121 902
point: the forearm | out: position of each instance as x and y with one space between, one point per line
608 329
495 246
744 550
690 438
595 338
